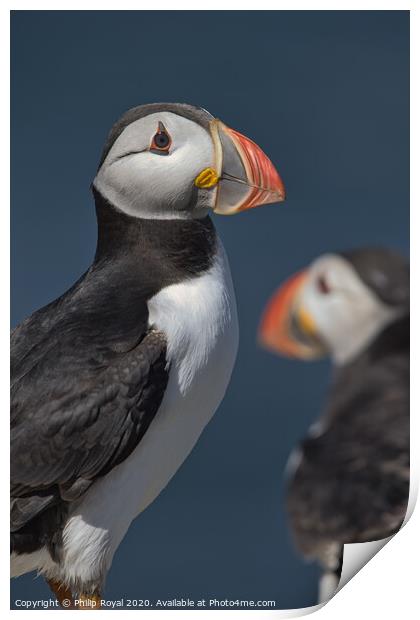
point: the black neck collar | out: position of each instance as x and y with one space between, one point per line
161 252
394 339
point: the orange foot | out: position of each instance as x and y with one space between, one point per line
62 593
88 601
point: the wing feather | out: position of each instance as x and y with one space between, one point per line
92 419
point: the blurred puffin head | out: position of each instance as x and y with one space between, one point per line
337 306
176 161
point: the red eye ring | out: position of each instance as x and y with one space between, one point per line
322 285
161 141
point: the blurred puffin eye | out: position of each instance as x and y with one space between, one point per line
322 285
161 141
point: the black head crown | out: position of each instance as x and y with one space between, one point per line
384 271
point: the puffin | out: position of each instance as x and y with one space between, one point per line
113 382
348 481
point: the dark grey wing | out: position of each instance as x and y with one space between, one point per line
352 482
76 414
30 339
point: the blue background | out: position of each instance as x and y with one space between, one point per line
326 95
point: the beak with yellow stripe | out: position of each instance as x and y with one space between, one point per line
287 326
243 176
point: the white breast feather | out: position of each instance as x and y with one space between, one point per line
193 315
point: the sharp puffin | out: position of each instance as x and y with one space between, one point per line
113 383
349 479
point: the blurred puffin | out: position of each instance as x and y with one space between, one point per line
113 382
349 480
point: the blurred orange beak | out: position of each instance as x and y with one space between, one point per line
286 327
246 178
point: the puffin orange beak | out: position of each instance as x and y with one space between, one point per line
286 327
244 175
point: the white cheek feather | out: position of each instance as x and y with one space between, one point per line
351 315
149 185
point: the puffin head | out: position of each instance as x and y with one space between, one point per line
337 306
166 161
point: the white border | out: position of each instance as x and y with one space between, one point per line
387 585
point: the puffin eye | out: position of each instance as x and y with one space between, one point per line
161 141
322 285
